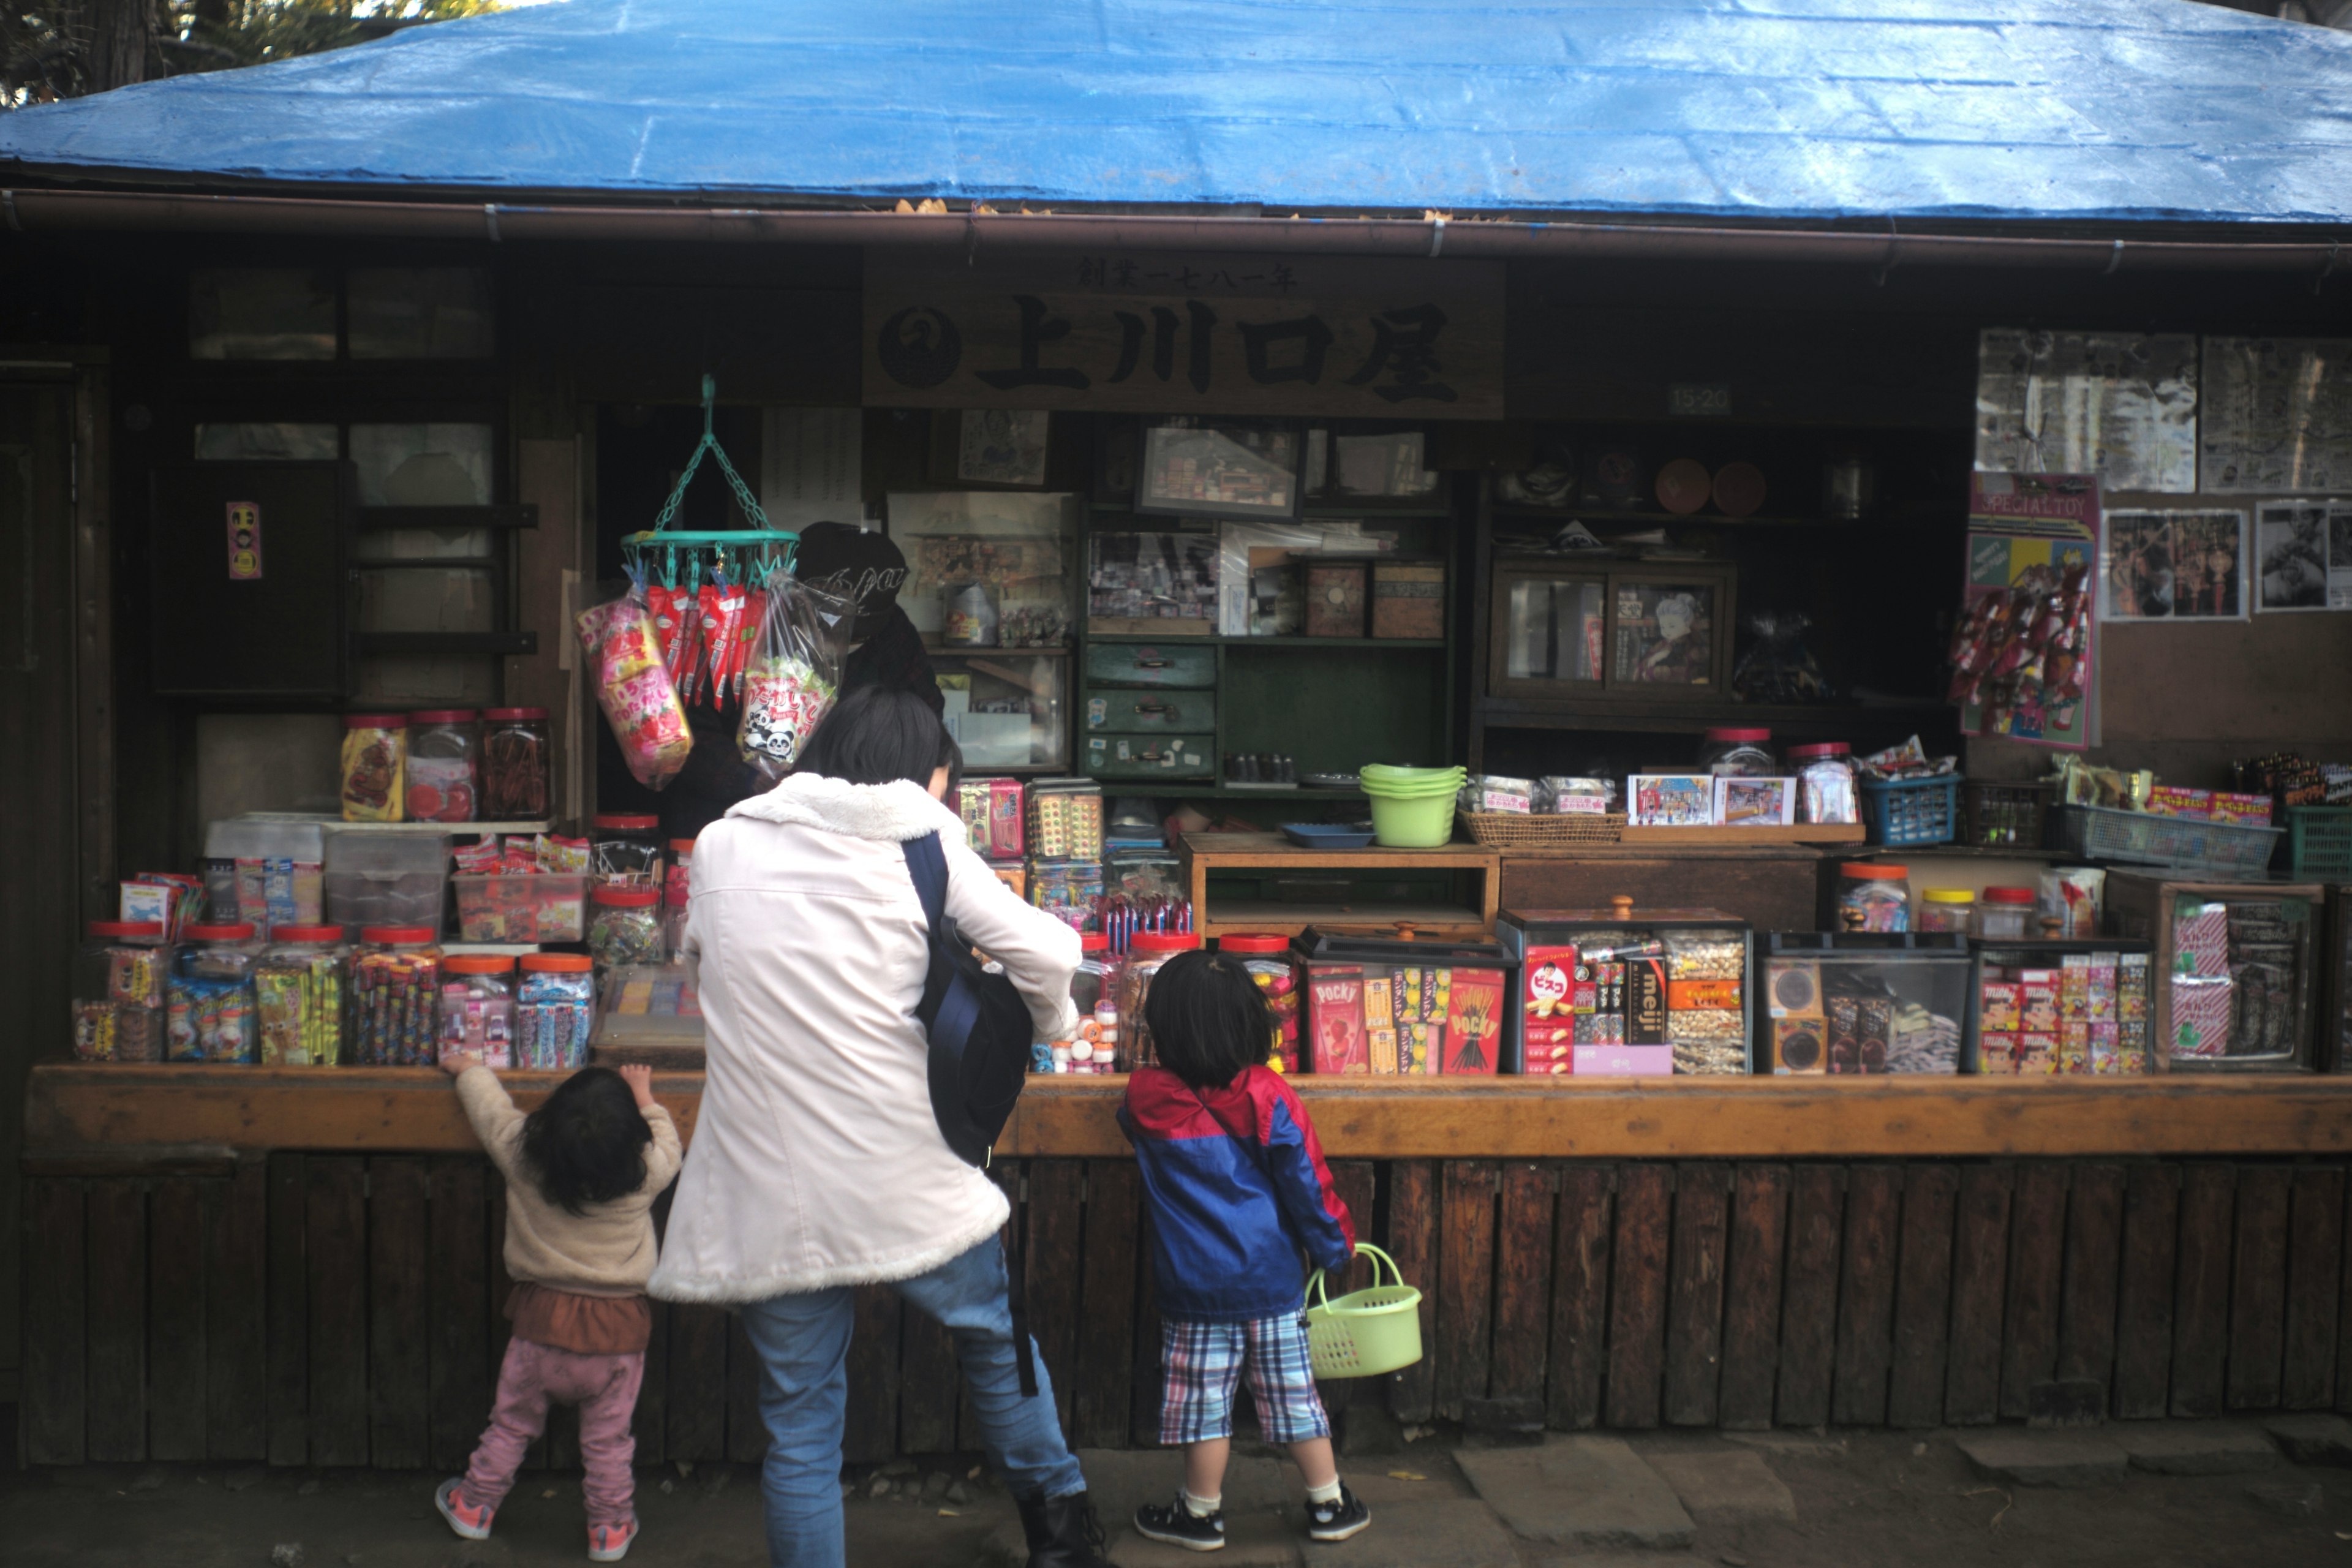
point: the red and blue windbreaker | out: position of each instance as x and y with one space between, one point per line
1237 1189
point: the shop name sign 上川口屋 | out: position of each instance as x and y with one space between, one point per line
1177 333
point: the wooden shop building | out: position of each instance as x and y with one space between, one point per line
1498 269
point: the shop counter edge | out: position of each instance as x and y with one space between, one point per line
86 1112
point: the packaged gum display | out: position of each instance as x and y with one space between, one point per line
2073 1048
2075 988
2107 1048
2103 988
2131 1046
1798 1046
2131 988
2001 1007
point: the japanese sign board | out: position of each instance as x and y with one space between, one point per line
1186 333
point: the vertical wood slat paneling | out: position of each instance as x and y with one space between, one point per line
1809 1296
1637 1296
115 1211
399 1318
1582 1225
930 1383
1922 1296
696 1431
1355 1183
2315 1262
57 1312
1751 1326
2087 1307
1979 1277
458 1298
236 1290
287 1318
2037 1260
2144 1292
336 1250
1143 1389
1055 1220
175 1318
870 1434
1466 1276
1865 1322
1515 1377
2258 1289
1695 1294
2201 1307
1106 1334
1411 1240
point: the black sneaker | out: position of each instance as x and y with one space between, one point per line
1338 1520
1178 1525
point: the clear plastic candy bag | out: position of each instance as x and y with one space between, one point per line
634 689
794 679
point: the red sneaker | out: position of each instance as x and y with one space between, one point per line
609 1542
473 1523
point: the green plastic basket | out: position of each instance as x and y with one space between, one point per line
1365 1332
2319 843
1413 822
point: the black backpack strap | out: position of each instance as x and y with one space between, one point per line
927 863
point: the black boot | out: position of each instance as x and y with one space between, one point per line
1063 1531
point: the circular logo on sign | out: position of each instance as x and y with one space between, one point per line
918 347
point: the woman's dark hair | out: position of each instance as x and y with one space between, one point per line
1208 1019
587 1142
878 734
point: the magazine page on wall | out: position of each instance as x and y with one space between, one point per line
2303 555
2022 655
2175 565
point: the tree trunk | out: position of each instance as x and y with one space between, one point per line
121 35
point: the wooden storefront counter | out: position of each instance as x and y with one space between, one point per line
79 1112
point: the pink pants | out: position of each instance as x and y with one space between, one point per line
604 1387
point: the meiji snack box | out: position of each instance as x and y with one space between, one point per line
1645 1001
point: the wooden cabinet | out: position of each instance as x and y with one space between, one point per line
1635 631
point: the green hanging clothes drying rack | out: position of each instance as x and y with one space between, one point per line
677 557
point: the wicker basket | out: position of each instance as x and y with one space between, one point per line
1523 832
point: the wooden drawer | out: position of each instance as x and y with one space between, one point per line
1149 664
1126 711
1187 756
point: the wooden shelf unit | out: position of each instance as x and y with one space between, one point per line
1205 854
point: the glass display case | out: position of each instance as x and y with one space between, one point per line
1863 1003
2042 1007
1629 992
1008 709
1630 631
2240 967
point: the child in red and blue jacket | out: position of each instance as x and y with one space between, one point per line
1237 1191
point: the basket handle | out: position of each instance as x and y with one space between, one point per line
1364 1248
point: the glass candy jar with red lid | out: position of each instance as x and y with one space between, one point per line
625 851
1266 956
1147 954
515 770
441 752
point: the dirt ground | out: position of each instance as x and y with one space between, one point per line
1862 1499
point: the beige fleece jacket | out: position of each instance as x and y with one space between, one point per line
606 1250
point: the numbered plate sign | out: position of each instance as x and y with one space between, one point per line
1699 400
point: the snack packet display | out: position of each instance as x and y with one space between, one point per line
792 682
634 689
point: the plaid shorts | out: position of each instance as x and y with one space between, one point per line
1201 1363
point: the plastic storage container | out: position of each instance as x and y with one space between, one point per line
1381 1005
2185 844
534 906
443 747
1845 1004
373 767
2007 914
1825 783
2240 966
1911 811
2037 1009
381 878
1874 897
1268 958
625 926
1946 908
1147 953
299 989
515 771
118 992
625 851
2006 815
208 1000
1737 753
1094 992
264 870
395 997
555 1010
478 1008
1411 808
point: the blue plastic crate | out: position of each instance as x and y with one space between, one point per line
1912 811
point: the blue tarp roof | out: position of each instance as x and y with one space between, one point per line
2155 110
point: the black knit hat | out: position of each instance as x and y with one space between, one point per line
863 567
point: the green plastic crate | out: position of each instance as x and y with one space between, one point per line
2319 843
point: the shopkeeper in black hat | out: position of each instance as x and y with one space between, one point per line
885 650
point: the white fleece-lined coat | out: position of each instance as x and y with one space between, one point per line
816 1160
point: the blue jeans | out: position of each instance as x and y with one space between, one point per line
804 1345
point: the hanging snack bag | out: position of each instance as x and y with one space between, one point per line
634 687
794 676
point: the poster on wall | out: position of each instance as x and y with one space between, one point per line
2292 540
2175 565
2278 415
2121 406
2024 656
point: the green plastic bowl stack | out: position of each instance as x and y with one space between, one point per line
1413 809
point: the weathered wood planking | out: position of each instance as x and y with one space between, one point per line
2086 1308
1357 1184
1922 1296
1055 1218
1637 1315
2144 1292
236 1290
2258 1289
1105 1337
1523 1262
870 1434
1979 1278
2037 1260
1411 1240
1809 1296
287 1318
696 1432
1751 1325
1866 1315
2315 1262
458 1310
116 1423
398 1316
1466 1276
335 1238
1582 1227
176 1320
1695 1294
56 1313
2201 1310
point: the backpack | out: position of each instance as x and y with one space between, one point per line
976 1022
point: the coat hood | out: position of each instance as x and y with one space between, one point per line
892 813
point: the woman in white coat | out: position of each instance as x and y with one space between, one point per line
817 1164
